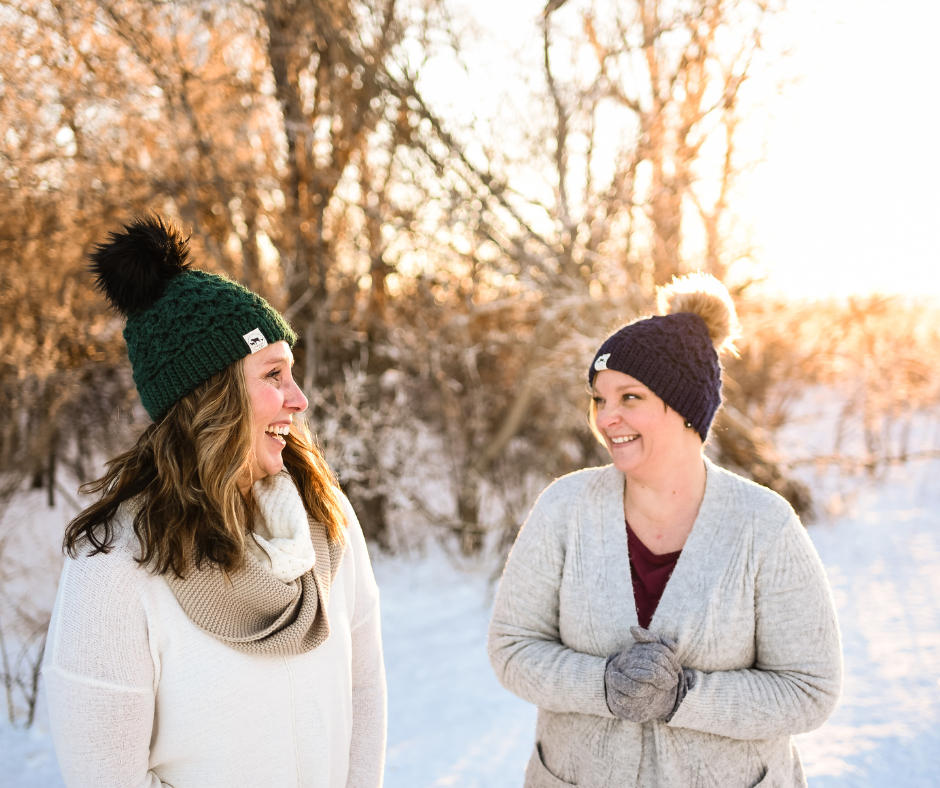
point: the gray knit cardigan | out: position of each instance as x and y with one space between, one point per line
748 604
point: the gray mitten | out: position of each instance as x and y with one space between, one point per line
643 682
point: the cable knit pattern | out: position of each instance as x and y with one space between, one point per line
748 604
674 357
194 330
139 696
282 534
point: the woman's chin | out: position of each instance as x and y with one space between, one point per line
627 467
626 457
273 466
267 465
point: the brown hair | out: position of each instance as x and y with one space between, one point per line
185 472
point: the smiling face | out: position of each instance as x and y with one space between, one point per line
643 435
275 400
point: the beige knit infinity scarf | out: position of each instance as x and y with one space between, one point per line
253 611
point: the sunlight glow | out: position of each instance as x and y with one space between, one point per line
843 196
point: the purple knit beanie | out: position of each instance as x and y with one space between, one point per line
676 355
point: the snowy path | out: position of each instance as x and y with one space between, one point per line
451 724
883 561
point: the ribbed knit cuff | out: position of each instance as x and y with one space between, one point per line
686 682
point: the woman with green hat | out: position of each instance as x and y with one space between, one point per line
217 620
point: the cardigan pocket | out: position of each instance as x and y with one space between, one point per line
537 774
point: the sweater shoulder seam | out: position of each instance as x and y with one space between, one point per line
567 490
367 618
772 546
94 682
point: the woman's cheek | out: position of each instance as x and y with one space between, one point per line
271 400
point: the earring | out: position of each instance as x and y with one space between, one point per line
688 424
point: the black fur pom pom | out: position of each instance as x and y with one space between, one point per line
134 265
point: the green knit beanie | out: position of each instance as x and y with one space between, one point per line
183 325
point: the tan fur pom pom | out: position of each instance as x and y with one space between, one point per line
708 298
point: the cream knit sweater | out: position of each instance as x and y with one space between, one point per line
748 604
139 696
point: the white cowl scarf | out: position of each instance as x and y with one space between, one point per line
282 532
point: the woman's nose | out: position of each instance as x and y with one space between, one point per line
296 401
604 418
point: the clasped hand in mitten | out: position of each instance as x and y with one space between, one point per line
646 681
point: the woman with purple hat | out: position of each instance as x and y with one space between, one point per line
217 620
671 620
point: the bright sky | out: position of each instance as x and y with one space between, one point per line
846 198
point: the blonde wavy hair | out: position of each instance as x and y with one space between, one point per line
185 471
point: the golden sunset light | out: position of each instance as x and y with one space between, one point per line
846 201
838 135
469 393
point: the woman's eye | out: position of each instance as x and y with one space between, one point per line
274 373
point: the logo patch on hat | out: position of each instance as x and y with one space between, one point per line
601 362
255 340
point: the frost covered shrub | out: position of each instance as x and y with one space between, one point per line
879 357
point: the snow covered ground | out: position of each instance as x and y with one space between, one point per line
883 560
451 724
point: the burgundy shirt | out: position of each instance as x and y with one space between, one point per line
650 573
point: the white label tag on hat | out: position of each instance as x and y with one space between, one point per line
601 362
255 340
